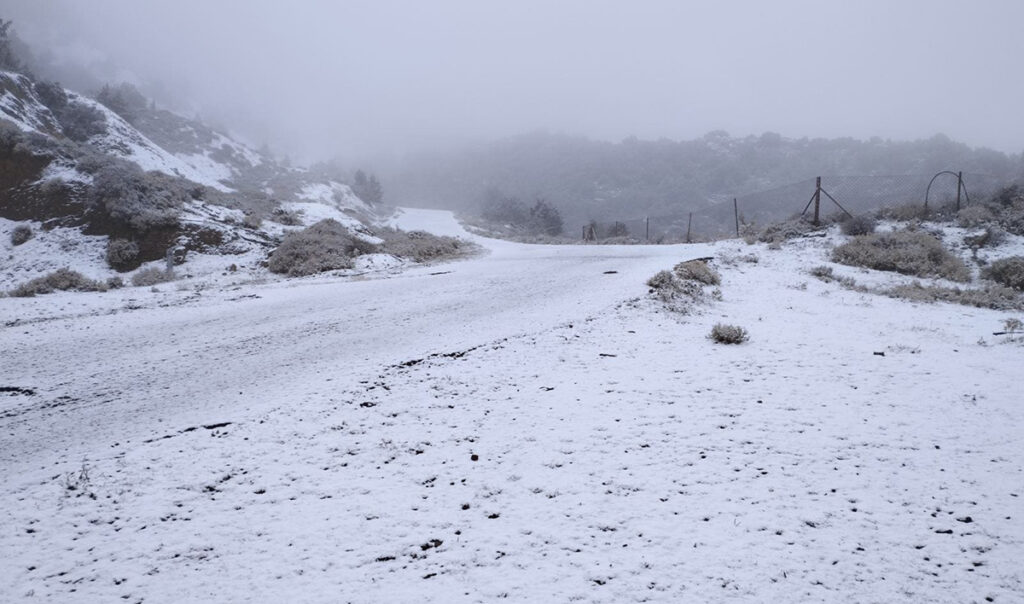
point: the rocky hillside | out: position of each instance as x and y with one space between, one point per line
128 183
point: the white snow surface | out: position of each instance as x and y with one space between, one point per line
123 140
524 425
31 116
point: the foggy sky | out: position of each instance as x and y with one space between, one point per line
319 78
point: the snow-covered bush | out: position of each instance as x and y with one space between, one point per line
420 246
974 216
683 286
122 254
790 229
63 279
697 270
1007 271
286 217
995 297
152 276
858 225
21 234
728 334
137 200
907 252
324 246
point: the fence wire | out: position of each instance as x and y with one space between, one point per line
857 194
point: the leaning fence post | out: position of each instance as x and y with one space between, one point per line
736 213
959 185
817 200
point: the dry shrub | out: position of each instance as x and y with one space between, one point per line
697 270
151 276
421 246
1007 271
286 217
324 246
995 297
21 234
728 334
904 213
63 279
906 252
858 225
974 216
790 229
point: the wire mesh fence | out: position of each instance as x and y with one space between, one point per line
856 194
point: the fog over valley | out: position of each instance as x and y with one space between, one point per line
373 80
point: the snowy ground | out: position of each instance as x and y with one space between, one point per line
523 425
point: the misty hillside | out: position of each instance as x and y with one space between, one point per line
144 183
594 180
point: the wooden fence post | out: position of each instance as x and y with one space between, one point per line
689 223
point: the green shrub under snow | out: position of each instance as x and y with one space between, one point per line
63 279
1007 271
122 254
906 252
324 246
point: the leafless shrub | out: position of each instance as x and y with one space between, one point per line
421 246
728 334
1007 271
252 221
697 270
63 279
825 273
858 225
21 234
904 213
324 246
286 217
151 276
974 216
995 297
905 252
790 229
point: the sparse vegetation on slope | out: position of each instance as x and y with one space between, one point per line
906 252
324 246
63 279
1007 271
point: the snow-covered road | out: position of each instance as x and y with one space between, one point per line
521 425
127 374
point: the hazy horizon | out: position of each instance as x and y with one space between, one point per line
323 79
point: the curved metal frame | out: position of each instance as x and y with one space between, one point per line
960 183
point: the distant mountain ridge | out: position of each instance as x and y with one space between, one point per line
589 179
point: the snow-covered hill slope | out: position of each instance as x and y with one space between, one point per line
524 426
20 105
48 172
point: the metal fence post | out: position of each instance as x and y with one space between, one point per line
817 200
